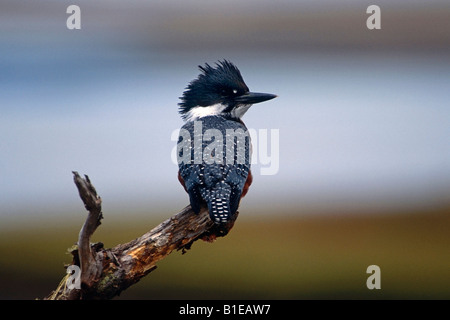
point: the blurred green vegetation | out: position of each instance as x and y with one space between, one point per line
323 256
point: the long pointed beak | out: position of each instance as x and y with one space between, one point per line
254 97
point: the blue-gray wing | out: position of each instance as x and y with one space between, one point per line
214 161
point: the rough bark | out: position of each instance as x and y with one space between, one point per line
105 273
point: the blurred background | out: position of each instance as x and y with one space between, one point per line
364 158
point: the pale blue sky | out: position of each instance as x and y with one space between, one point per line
356 127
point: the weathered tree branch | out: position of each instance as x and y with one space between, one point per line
90 267
105 273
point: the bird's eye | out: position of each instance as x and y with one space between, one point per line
229 92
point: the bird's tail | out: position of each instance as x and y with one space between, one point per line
218 201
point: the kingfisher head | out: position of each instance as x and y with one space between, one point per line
218 90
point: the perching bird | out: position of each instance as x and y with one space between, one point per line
214 144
